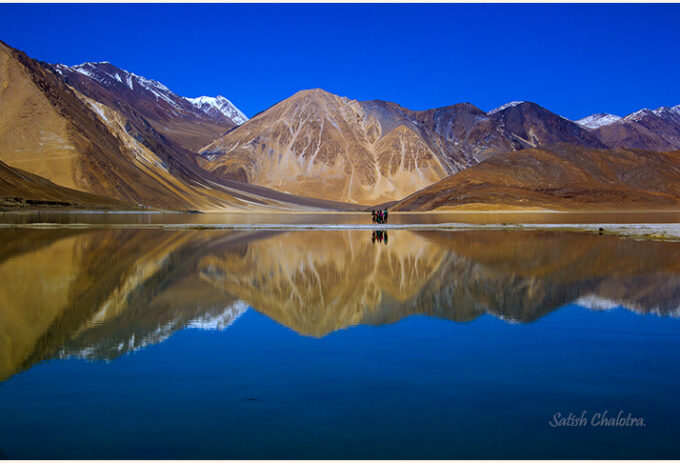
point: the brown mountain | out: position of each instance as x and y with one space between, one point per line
49 129
530 125
657 130
20 190
322 145
192 123
559 177
99 129
473 134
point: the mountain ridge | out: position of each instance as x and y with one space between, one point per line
51 130
190 122
559 177
100 129
384 151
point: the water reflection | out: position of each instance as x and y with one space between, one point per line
380 236
100 293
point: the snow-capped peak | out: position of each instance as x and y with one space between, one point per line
596 121
663 112
104 73
506 106
637 115
221 105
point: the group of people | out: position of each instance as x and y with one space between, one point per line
379 216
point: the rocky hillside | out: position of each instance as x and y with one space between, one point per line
530 125
22 190
190 122
51 130
98 129
657 130
325 146
559 177
319 144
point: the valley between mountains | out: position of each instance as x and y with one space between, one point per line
94 136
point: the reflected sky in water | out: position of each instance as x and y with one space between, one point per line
213 344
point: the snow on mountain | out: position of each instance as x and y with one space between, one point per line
596 121
109 76
506 106
663 112
221 105
638 115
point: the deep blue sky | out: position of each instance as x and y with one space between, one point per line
573 59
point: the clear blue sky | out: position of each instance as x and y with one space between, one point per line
573 59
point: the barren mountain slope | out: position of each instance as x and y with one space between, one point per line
192 123
531 126
559 177
46 129
318 144
657 130
51 130
21 190
322 145
471 130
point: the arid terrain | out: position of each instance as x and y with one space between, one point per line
100 137
560 177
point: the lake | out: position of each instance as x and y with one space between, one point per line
230 344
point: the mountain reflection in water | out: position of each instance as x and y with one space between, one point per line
100 293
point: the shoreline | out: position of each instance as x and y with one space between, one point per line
662 231
325 212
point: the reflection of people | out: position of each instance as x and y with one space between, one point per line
380 235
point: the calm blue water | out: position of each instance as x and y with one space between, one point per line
224 345
419 388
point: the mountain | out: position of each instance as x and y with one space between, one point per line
559 177
20 190
219 107
191 122
472 134
98 129
47 129
530 125
596 121
322 145
51 130
657 130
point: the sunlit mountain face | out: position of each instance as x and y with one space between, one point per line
98 294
